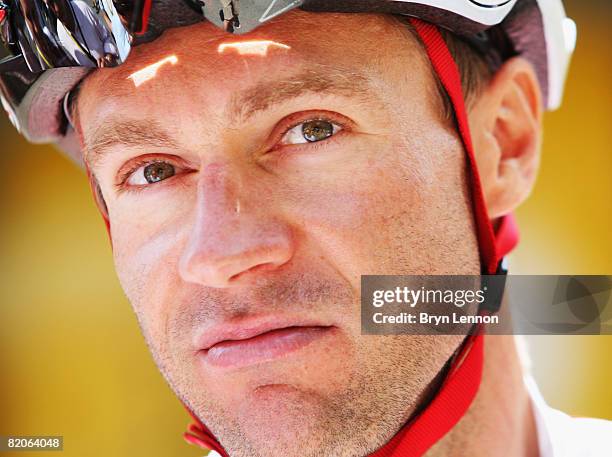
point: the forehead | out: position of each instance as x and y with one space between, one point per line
202 54
198 72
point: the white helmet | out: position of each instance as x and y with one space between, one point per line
35 79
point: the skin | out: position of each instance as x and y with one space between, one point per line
253 227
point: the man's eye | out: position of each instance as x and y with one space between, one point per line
151 173
310 132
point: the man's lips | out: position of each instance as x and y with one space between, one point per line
239 345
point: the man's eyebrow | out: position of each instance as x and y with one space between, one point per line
129 133
266 94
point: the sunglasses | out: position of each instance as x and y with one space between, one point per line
100 33
70 33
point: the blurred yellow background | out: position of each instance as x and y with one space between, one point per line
73 361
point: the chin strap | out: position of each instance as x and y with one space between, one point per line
448 406
199 435
462 381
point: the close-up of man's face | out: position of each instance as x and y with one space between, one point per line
248 187
321 228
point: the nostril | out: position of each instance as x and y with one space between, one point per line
262 267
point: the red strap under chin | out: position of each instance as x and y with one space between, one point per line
449 405
198 434
463 380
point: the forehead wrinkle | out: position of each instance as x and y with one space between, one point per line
265 94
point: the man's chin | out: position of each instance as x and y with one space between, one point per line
275 420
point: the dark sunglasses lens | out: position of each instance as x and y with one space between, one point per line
66 33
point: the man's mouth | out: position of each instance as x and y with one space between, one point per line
232 346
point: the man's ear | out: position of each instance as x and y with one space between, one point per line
506 129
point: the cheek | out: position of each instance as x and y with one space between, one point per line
400 207
146 251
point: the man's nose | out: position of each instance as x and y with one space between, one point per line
233 239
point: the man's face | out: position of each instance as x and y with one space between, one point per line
247 194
